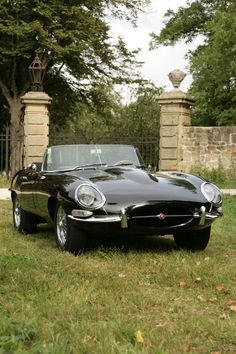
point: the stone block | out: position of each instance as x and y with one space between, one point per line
35 108
171 142
168 165
171 108
34 151
37 119
41 129
169 153
169 119
233 138
169 131
36 140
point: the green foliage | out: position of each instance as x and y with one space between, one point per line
103 115
72 34
215 175
94 117
213 62
141 117
222 178
138 295
73 41
17 335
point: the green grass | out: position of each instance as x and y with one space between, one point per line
135 297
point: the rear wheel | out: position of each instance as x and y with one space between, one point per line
68 237
23 222
195 240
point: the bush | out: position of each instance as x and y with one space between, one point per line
219 176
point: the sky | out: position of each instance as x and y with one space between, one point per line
159 62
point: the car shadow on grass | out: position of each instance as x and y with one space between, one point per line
127 244
121 244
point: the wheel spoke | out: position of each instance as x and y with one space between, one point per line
17 213
61 226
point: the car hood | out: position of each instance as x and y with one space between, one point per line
122 185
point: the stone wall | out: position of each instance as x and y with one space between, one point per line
209 147
183 146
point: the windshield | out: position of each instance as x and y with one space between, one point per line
63 157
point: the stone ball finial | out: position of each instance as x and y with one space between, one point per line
176 77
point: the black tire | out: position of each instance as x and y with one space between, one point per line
68 237
196 240
23 222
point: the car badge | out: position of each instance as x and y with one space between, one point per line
161 216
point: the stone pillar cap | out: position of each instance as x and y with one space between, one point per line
176 95
36 96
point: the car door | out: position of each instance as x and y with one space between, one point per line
44 188
26 193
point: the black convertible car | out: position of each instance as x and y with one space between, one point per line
106 189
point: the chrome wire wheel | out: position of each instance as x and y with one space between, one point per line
61 226
17 213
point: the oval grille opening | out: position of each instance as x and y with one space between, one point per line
157 216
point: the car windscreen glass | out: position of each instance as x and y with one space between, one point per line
63 157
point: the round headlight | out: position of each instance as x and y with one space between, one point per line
89 197
211 193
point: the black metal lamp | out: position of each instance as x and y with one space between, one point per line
37 71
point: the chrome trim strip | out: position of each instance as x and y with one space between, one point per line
112 218
157 216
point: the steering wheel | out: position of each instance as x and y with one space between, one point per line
123 162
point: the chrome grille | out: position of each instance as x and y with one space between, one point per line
158 216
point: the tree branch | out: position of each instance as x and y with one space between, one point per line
13 82
5 92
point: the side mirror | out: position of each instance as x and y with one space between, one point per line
34 167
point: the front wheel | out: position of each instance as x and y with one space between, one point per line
193 240
68 237
23 222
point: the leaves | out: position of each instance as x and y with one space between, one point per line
233 308
139 337
74 36
212 63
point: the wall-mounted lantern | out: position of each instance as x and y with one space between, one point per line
37 71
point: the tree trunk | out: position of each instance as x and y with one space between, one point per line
16 136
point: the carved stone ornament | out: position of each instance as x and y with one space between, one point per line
176 77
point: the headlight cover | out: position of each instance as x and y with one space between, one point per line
89 197
211 193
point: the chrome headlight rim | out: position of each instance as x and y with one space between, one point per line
99 198
216 191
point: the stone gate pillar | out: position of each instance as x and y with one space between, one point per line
174 115
36 126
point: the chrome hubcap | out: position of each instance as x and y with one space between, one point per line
17 215
61 226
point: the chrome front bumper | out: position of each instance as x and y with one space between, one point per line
203 215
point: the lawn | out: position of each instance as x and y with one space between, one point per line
141 296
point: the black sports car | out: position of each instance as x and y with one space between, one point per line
106 189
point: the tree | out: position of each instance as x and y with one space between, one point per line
141 117
72 39
213 63
95 119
